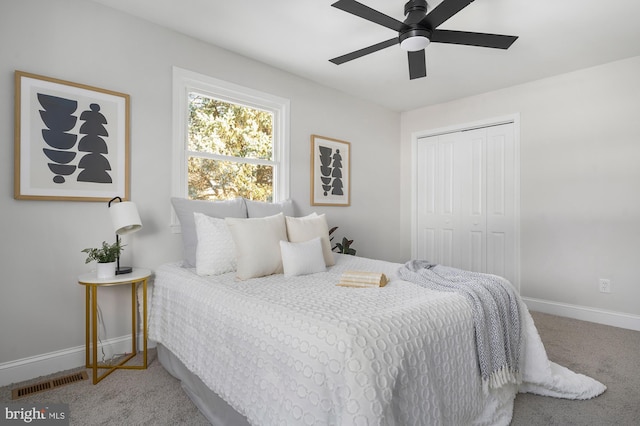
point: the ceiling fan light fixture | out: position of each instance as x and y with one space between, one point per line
417 31
413 44
415 39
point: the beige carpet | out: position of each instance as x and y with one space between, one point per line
608 354
125 397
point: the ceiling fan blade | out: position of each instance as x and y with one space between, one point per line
417 64
365 12
496 41
444 11
359 53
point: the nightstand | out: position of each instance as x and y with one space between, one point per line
92 283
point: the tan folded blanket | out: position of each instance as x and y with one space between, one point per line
362 279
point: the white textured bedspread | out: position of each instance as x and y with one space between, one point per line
301 350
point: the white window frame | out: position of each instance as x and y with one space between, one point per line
185 81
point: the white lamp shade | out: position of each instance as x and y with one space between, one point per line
125 217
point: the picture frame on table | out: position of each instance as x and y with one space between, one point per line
330 172
71 141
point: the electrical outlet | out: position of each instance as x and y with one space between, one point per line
604 285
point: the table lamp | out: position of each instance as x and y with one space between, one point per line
125 219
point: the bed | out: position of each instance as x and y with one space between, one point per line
297 349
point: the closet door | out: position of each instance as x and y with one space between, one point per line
437 201
472 193
501 202
465 200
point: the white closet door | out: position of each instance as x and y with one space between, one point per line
465 200
472 194
437 200
501 199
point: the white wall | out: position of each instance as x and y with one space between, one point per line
41 304
580 177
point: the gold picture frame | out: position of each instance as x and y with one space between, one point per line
330 172
71 141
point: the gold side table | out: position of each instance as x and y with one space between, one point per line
92 283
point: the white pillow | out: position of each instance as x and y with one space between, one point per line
185 208
216 251
300 229
302 258
257 242
264 209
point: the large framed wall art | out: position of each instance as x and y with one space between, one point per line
330 172
71 141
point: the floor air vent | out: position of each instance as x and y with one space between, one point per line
48 384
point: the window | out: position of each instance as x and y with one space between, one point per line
230 141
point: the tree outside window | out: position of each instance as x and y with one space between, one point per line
230 150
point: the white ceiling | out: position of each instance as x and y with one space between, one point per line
300 36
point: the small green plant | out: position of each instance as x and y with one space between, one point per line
107 253
345 246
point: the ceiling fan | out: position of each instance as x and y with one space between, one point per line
418 30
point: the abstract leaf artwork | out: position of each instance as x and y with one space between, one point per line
330 180
71 142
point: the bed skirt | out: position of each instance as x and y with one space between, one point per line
214 408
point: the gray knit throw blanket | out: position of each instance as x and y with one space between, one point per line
496 315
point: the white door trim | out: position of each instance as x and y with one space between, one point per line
511 118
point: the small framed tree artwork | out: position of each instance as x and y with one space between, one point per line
330 172
71 141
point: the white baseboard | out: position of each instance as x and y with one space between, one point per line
584 313
65 359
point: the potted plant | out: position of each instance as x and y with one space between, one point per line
106 257
345 246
